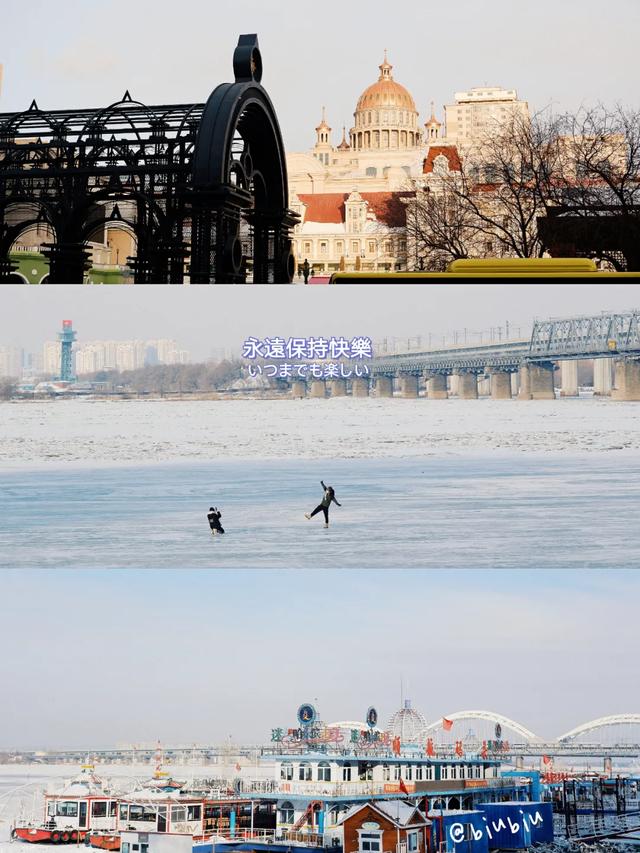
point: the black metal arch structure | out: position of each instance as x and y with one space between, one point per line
202 187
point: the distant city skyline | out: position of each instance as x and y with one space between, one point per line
214 321
559 54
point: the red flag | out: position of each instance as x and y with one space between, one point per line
459 749
403 787
447 725
430 750
483 751
546 759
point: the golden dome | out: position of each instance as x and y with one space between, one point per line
386 92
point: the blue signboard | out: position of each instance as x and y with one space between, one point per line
307 715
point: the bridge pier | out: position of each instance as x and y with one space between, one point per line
536 381
500 385
384 386
627 380
318 389
298 389
467 386
484 385
602 376
338 388
437 386
360 387
409 385
568 378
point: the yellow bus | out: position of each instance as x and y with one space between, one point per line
498 270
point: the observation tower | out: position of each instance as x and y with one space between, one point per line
67 337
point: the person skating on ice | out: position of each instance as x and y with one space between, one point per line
214 515
323 506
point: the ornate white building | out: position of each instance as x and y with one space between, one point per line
352 197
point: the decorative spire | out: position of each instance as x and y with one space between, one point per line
433 121
344 145
323 124
385 68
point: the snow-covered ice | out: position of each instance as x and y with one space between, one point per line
71 431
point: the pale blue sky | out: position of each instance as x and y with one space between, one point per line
98 657
85 53
204 319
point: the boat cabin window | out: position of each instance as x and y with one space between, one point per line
123 812
178 814
365 771
324 771
194 812
304 772
98 809
286 812
286 771
67 809
370 842
142 813
125 847
113 808
51 809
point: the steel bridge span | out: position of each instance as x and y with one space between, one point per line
524 368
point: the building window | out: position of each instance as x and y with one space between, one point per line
396 772
444 772
412 841
346 773
371 171
409 772
419 773
388 247
286 771
355 247
286 812
307 248
386 773
323 247
372 251
304 772
454 772
324 772
429 774
370 842
340 247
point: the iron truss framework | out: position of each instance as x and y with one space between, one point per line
602 336
586 337
202 188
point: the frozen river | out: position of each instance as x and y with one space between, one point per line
500 510
424 483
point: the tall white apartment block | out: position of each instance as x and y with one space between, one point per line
480 111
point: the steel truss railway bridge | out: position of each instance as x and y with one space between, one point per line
524 367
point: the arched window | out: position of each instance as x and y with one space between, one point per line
304 771
324 771
286 768
286 812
